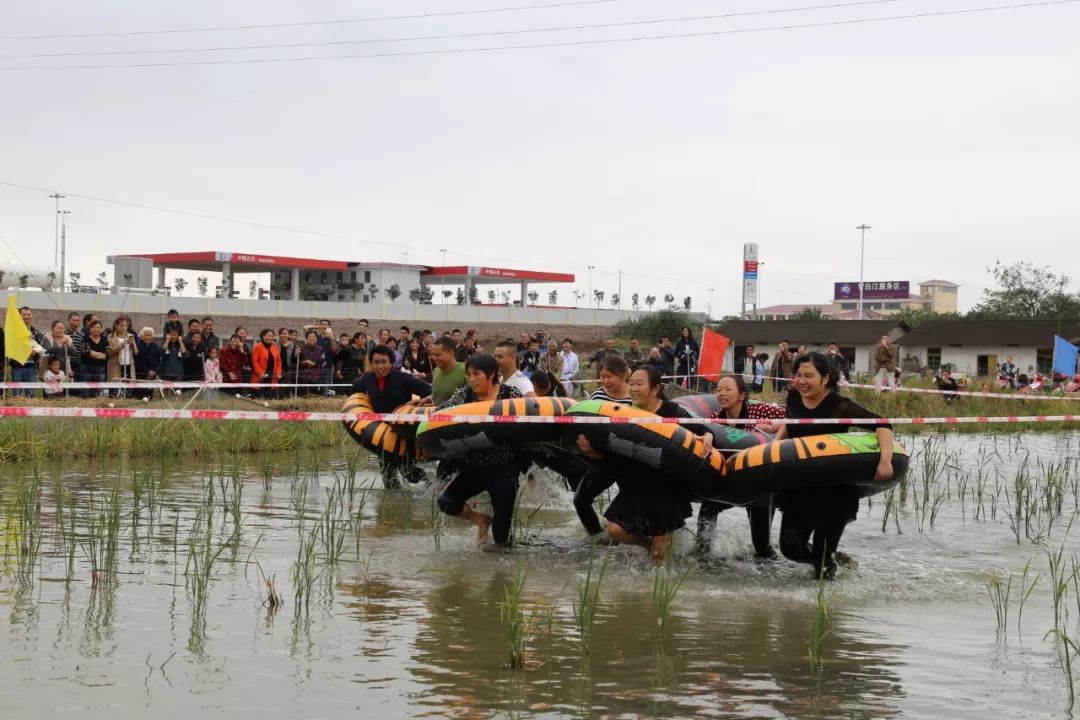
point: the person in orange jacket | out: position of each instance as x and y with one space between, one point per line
266 362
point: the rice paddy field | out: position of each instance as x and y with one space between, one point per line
266 577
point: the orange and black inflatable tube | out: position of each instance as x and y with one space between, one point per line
449 438
387 440
815 461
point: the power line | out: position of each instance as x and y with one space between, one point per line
568 43
458 36
291 229
316 23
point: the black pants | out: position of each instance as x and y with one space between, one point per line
760 525
813 524
590 488
501 484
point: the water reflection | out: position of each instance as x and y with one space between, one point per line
746 660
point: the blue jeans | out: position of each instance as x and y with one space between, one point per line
24 374
93 374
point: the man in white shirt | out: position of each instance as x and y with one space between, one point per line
570 367
506 357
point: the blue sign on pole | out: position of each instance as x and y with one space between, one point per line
1064 356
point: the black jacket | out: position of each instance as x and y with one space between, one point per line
399 389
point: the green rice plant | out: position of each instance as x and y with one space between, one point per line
24 526
438 523
819 630
525 530
333 524
512 615
1069 653
588 599
892 508
666 585
1025 591
266 470
102 540
303 572
1000 594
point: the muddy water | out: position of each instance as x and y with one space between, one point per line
407 622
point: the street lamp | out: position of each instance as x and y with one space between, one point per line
442 282
862 264
63 246
710 303
591 268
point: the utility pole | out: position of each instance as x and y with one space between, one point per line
442 282
862 264
591 268
620 290
709 312
63 247
56 236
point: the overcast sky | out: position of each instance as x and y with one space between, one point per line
956 138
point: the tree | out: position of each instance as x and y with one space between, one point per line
650 300
414 295
807 313
447 293
505 297
686 302
373 291
51 277
24 280
394 291
635 301
102 280
203 284
253 289
651 327
669 299
598 296
533 297
474 295
491 297
615 300
460 299
553 297
426 294
180 284
577 297
914 317
1026 291
73 281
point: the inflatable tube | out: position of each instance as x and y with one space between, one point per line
389 441
816 461
725 437
450 439
670 448
702 406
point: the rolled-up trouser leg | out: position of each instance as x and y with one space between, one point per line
590 488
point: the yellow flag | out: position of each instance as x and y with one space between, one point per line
16 334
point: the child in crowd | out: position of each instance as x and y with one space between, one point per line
54 375
212 372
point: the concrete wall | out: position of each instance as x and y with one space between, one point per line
965 357
490 321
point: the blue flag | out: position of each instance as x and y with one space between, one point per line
1064 356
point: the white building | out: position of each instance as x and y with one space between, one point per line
977 347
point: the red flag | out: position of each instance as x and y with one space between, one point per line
713 348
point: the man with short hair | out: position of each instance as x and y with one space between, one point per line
1008 371
552 361
782 367
404 334
884 364
74 330
747 370
635 356
455 335
194 326
571 366
27 371
329 347
599 355
448 375
466 350
667 356
839 361
506 357
523 343
209 338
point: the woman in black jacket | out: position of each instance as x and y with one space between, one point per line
687 352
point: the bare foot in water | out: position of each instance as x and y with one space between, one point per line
483 524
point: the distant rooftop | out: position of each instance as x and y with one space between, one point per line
939 283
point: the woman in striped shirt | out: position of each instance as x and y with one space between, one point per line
731 395
614 387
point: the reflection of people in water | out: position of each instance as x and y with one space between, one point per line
493 470
731 395
614 387
647 509
823 512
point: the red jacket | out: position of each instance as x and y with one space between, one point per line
260 360
232 363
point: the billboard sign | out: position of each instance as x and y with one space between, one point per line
750 275
888 290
